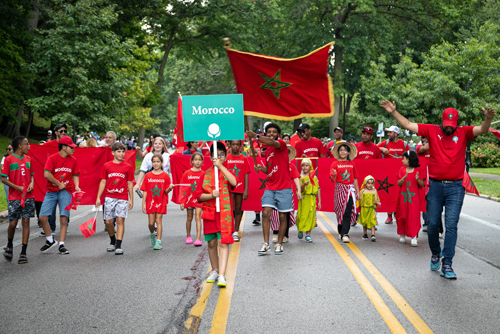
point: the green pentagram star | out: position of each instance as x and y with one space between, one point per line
345 175
156 191
229 219
193 186
236 171
408 195
274 84
262 183
89 226
384 185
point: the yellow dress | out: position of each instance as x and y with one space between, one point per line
306 214
368 216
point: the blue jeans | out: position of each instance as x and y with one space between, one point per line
450 196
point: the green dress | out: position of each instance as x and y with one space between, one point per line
306 215
368 216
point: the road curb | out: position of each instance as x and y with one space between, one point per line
491 198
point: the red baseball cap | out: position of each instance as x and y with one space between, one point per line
367 129
450 117
67 141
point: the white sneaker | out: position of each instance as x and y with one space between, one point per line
285 240
414 242
345 239
111 248
275 238
264 249
221 281
402 239
212 276
118 251
18 224
236 237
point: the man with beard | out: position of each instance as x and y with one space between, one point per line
308 146
367 149
447 143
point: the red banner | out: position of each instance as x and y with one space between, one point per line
281 88
90 161
383 170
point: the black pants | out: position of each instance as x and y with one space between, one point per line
346 220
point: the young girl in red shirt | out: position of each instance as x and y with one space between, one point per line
193 178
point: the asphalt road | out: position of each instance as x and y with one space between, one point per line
321 287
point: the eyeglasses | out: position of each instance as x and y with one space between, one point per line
62 131
221 155
9 149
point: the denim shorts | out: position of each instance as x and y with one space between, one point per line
16 211
279 200
115 208
63 197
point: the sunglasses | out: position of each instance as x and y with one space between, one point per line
62 131
8 149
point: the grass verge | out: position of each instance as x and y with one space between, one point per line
487 187
493 171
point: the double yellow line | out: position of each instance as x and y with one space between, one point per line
384 311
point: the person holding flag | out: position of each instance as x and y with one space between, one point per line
447 144
17 174
62 174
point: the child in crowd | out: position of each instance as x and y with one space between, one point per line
116 184
306 215
217 225
343 173
156 184
408 205
368 205
63 178
238 163
193 207
17 174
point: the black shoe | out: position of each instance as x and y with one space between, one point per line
48 245
22 259
8 253
365 237
256 222
63 250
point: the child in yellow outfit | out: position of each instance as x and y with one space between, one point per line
368 203
306 215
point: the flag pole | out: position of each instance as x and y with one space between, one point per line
251 144
216 173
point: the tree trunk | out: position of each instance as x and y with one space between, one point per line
296 123
250 123
15 130
30 121
140 140
337 84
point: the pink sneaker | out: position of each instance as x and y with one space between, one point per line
197 242
189 240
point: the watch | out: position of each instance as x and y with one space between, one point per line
258 137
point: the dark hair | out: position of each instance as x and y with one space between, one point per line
286 135
118 146
58 126
413 158
16 141
189 144
346 147
196 154
60 146
237 140
220 147
156 155
273 125
154 135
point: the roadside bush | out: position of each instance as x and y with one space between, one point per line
486 155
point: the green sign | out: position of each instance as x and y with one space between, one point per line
213 117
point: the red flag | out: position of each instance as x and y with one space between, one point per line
495 132
76 199
88 228
311 176
23 195
469 185
294 139
179 129
284 89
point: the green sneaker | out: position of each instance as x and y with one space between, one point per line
153 239
158 245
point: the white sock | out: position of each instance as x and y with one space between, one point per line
158 240
151 234
61 243
50 239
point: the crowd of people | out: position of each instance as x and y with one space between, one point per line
213 195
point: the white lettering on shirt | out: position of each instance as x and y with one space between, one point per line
63 169
116 174
312 149
275 169
234 161
190 177
153 180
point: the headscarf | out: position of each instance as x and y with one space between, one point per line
367 178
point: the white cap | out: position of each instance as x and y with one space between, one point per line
265 125
393 129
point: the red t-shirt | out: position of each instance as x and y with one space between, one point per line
117 176
312 148
148 148
240 166
294 173
346 171
396 149
277 165
18 171
63 170
447 153
368 151
194 179
155 186
420 155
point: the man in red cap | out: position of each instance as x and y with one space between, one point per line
367 149
62 174
447 144
337 133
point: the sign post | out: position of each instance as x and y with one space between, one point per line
213 118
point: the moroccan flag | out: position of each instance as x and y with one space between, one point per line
469 185
76 199
284 89
495 132
311 176
179 128
294 139
88 228
23 195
